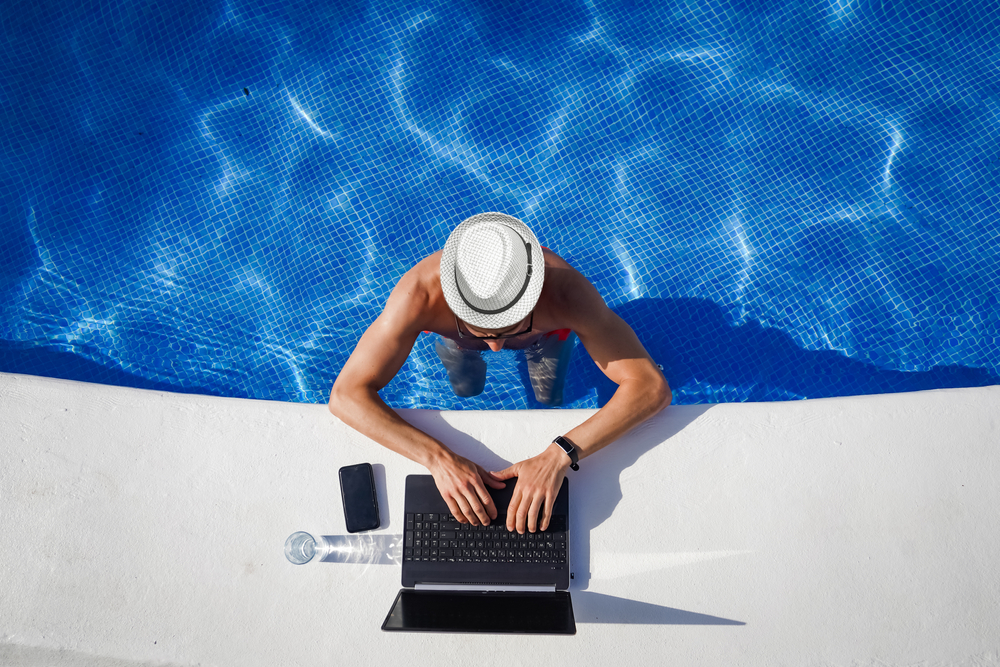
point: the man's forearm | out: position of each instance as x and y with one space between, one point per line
461 482
366 413
632 403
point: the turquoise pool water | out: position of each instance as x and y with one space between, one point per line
784 199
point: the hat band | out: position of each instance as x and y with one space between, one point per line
524 287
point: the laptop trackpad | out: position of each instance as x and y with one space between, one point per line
548 613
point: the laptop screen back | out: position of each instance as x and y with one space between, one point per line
447 611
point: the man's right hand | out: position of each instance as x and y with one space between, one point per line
462 484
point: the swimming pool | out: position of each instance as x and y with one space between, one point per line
784 199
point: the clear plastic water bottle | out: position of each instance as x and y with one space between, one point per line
301 548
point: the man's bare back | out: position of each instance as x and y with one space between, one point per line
567 301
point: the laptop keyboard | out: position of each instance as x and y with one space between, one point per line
438 538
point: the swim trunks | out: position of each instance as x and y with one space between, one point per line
548 360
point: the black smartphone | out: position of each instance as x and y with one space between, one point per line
357 489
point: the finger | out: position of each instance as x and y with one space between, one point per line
490 478
487 501
515 500
477 507
466 515
533 512
455 511
522 514
547 513
506 473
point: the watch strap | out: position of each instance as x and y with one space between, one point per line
570 450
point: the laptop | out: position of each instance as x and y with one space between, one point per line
462 578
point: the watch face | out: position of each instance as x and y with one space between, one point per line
568 448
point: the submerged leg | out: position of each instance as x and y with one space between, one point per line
466 368
548 361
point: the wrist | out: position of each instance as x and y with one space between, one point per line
556 454
437 456
569 450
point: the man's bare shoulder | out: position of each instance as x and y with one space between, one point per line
417 297
568 293
425 275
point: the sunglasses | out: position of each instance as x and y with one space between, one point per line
469 334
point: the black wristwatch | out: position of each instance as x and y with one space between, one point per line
570 450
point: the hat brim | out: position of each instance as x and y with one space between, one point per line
518 310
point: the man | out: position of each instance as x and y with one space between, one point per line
494 286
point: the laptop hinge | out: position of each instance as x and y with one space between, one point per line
495 588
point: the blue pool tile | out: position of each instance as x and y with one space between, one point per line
785 200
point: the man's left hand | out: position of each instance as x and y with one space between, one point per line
538 482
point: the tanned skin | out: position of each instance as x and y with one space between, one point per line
568 301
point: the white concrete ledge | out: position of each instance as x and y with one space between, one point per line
146 528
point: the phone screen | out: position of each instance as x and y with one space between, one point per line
357 488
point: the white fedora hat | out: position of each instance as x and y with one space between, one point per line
492 271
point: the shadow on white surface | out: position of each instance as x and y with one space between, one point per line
602 481
589 607
382 493
599 475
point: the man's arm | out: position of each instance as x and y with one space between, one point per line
642 392
354 399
